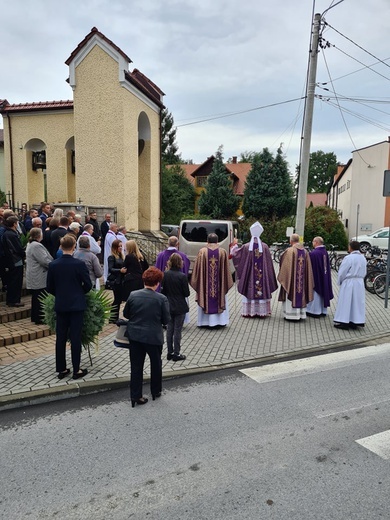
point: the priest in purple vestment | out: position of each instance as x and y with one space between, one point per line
163 257
255 273
211 279
322 280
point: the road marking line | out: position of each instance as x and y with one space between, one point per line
314 364
349 410
378 444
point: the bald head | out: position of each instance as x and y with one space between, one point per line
294 239
318 241
172 241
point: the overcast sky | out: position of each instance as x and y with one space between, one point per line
218 57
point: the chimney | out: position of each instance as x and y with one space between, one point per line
235 158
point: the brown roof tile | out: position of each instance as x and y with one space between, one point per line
318 199
145 85
238 170
94 31
40 105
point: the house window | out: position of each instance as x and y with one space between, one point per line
201 181
348 184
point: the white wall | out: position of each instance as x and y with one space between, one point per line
368 168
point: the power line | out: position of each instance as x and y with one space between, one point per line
355 71
360 101
341 112
368 120
357 45
361 63
241 112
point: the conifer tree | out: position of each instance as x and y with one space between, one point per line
268 189
177 195
169 147
218 200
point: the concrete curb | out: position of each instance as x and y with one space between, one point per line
82 388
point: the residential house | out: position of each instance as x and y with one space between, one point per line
316 199
198 174
101 148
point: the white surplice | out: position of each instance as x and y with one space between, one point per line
351 305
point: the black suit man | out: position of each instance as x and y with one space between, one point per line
14 255
68 280
104 227
57 234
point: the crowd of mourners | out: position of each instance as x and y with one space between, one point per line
157 297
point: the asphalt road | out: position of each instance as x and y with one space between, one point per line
275 442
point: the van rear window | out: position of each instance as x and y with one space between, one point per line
197 232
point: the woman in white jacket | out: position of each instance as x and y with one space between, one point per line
37 262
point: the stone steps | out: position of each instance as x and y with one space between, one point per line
15 323
21 331
10 314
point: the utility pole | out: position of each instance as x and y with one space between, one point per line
307 128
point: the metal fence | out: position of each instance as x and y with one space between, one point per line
150 245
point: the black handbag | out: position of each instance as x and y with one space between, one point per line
109 284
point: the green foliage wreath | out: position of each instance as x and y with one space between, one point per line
96 315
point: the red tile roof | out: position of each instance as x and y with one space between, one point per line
189 170
40 105
318 199
145 85
241 171
238 170
94 31
139 80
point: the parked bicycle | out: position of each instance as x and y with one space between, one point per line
279 249
335 258
376 265
379 285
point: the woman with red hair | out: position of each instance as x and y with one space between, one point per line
147 312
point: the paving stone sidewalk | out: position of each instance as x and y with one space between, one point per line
27 373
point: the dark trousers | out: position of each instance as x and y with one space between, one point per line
117 290
36 306
174 329
3 272
68 324
138 352
14 284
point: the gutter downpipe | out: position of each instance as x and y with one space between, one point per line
11 161
159 217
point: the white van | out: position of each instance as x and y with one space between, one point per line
193 236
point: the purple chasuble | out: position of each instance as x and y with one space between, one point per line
255 272
212 281
300 277
322 274
164 256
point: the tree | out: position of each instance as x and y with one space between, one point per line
218 200
268 189
177 195
322 168
169 147
246 156
324 221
